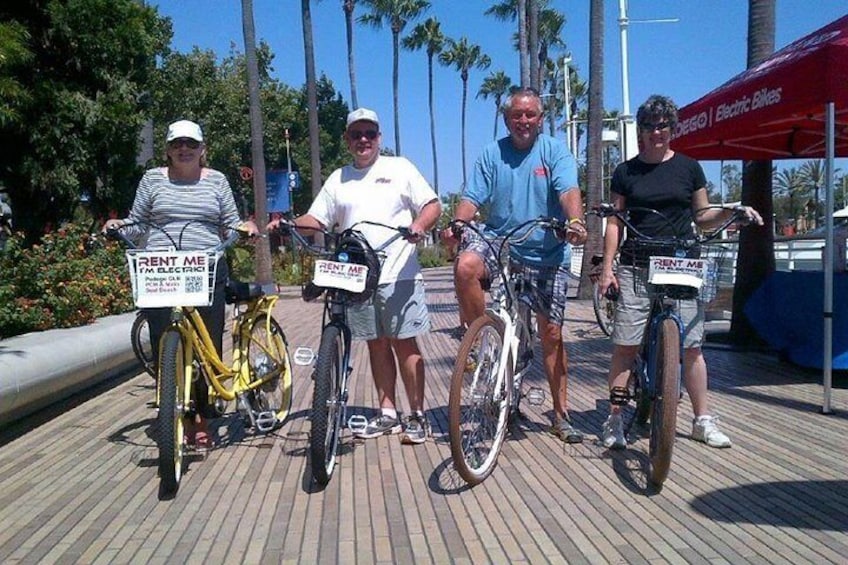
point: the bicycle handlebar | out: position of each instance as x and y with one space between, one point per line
117 235
607 210
514 236
288 228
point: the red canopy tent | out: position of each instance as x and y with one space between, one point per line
775 110
793 105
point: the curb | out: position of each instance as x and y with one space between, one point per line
41 368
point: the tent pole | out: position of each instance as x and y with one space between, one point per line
827 364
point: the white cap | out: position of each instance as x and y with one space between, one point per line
184 128
362 114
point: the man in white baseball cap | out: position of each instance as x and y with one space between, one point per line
362 115
390 191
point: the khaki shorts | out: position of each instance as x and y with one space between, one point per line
632 310
397 310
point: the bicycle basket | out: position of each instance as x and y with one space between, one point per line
673 270
165 279
355 269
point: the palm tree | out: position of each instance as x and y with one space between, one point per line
311 99
813 177
789 183
429 35
495 86
348 6
395 13
464 56
755 261
594 148
257 149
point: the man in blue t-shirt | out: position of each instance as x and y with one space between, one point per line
522 177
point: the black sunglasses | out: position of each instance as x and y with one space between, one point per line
356 135
654 127
187 141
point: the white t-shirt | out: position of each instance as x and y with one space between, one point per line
391 192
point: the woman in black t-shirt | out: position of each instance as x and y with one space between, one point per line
675 185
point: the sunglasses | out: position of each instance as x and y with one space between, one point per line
187 141
356 135
654 127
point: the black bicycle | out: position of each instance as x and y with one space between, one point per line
346 271
666 269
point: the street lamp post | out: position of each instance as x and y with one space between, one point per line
629 143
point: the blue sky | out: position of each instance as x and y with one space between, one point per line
684 60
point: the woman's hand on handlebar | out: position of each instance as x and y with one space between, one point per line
749 215
111 225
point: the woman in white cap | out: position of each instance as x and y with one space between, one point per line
193 205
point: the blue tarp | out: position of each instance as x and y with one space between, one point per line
787 312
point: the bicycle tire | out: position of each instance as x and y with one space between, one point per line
267 351
141 345
170 423
604 310
478 408
326 405
664 409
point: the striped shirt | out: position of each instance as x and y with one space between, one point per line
191 213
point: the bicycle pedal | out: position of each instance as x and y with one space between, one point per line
265 421
357 423
535 396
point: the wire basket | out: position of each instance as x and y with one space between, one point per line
169 278
686 271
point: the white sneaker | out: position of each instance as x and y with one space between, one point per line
705 429
613 433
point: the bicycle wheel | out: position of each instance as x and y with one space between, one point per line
169 423
479 402
267 352
141 345
664 409
604 310
326 405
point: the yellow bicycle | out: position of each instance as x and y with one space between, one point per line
259 377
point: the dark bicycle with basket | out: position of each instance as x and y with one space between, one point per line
346 271
666 269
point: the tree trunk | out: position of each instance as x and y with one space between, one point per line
533 44
396 56
755 260
462 126
432 121
594 148
264 274
523 50
348 6
311 99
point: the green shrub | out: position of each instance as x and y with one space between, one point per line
59 283
433 256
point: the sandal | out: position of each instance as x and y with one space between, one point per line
202 441
566 432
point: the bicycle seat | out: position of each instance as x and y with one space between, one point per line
237 291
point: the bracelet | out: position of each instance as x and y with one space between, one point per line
577 221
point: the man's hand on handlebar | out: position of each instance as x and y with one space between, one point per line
282 225
574 233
